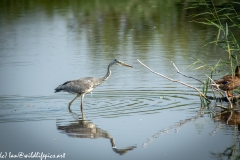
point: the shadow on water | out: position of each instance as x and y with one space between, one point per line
81 128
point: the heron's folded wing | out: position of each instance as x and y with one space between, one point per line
78 86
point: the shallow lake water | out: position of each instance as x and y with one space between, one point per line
135 114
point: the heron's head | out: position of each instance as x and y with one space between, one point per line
116 61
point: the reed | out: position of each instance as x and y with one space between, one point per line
225 18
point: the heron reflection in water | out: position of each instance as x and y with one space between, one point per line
85 129
86 85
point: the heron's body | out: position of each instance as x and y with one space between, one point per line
79 86
229 82
85 85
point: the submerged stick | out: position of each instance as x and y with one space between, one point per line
200 93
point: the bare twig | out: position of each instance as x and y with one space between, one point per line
186 75
229 118
220 91
236 97
221 106
211 79
200 93
215 85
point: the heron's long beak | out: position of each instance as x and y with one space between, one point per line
124 64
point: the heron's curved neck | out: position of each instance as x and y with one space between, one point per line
108 72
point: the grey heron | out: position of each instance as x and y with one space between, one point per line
85 85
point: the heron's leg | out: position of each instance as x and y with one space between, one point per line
72 101
82 102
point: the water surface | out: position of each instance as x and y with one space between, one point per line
134 114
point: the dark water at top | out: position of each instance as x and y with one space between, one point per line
134 114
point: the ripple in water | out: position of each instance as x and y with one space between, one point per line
102 104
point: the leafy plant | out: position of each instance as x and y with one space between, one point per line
225 18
